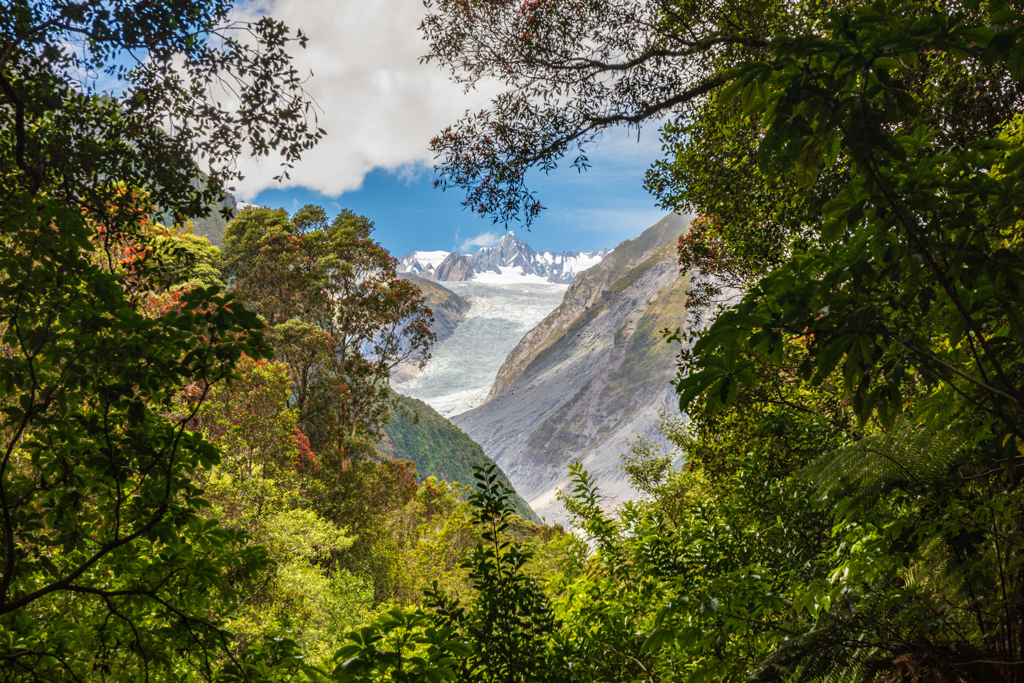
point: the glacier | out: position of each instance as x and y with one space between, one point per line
463 366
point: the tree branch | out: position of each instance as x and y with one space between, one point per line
19 133
960 373
940 275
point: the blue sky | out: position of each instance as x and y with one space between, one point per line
381 105
585 211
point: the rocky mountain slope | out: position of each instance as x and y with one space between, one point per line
438 448
448 308
591 377
511 257
454 268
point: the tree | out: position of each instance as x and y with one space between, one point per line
572 69
109 566
620 57
265 485
260 441
181 258
339 315
176 67
343 321
106 558
506 632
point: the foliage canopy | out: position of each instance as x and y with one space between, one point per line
856 168
113 330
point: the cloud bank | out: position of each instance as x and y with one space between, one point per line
380 105
484 239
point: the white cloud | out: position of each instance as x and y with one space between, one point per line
380 105
484 239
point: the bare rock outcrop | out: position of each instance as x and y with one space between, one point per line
593 376
454 268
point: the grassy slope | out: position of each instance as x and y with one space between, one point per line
440 449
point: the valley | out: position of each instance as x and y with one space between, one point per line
542 375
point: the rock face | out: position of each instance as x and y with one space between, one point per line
448 308
591 377
454 268
510 257
421 263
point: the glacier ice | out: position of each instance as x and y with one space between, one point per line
463 366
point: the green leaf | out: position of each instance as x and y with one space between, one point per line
886 64
1015 61
655 640
835 142
728 93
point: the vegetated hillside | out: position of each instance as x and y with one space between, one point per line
211 227
448 308
439 448
592 376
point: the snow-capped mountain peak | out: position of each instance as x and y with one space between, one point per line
510 260
421 262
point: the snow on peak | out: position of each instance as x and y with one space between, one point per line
580 262
419 261
429 259
513 275
511 260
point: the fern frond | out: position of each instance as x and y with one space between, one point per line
869 468
841 647
868 631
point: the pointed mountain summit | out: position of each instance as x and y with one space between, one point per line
510 251
511 259
515 255
454 268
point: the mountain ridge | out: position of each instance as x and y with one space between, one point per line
510 258
592 288
454 268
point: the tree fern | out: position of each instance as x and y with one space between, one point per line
842 646
906 455
926 617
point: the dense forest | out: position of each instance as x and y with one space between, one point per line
192 486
